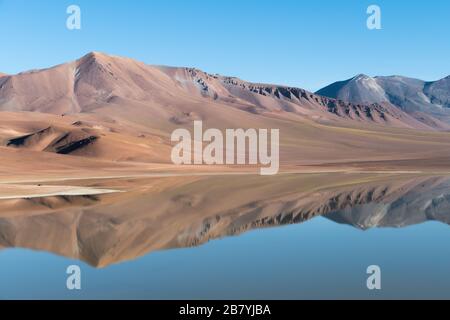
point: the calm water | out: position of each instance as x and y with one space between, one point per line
407 237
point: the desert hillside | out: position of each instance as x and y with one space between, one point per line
103 111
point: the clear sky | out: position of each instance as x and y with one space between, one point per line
294 42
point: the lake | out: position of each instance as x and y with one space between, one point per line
291 237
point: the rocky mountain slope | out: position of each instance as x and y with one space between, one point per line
427 102
98 81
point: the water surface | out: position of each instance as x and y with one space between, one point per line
295 237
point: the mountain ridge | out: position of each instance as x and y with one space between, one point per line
425 101
97 80
117 109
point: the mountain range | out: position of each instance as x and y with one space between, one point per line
97 80
119 110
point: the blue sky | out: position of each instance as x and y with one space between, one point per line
294 42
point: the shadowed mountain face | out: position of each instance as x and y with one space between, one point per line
428 102
175 213
438 92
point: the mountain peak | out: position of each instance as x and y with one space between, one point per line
95 54
359 89
102 57
361 76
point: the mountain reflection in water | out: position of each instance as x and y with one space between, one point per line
166 213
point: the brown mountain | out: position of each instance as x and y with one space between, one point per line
117 109
166 94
